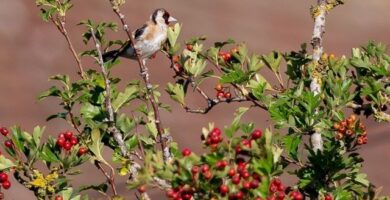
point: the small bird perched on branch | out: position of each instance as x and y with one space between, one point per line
147 39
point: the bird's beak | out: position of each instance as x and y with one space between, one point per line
171 19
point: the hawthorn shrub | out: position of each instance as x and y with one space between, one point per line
309 128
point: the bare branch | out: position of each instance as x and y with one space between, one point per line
110 178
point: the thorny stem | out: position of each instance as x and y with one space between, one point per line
111 118
110 178
315 87
145 75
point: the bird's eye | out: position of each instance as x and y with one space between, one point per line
166 17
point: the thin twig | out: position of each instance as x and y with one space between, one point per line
111 118
145 77
60 23
110 178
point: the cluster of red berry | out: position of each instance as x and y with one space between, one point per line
67 140
227 56
247 143
278 192
8 143
221 93
213 138
5 183
180 193
349 127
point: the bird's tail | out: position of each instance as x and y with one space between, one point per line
111 55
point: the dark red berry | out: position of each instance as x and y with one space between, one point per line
6 184
328 197
4 131
67 146
231 172
186 152
141 189
246 185
3 177
236 179
239 195
8 143
61 142
224 189
254 184
195 169
220 94
256 134
221 164
82 151
228 95
205 168
68 135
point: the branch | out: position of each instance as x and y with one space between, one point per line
145 76
60 23
319 14
110 178
112 129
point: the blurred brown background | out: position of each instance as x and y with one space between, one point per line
31 51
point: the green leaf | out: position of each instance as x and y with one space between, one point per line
102 188
173 34
273 61
237 76
255 63
5 163
176 92
291 143
66 193
37 134
235 126
125 124
47 155
97 146
51 92
130 93
132 142
89 111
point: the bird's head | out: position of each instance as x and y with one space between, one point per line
161 16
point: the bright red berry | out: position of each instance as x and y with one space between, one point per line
195 170
61 142
220 94
61 135
8 143
4 131
3 177
67 146
228 95
246 185
328 197
82 151
74 140
6 184
224 189
221 164
231 172
58 197
205 168
68 135
256 134
186 152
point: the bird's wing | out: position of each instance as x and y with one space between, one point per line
140 32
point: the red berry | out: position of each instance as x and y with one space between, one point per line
8 143
68 135
224 189
247 143
245 174
82 151
58 197
61 142
61 135
195 170
236 179
298 196
4 131
6 184
141 189
170 193
221 164
273 188
328 197
186 196
256 134
74 140
186 152
3 177
256 176
216 131
254 184
215 139
205 168
67 146
246 185
239 195
220 94
231 172
208 175
228 95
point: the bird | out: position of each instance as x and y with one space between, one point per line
147 40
